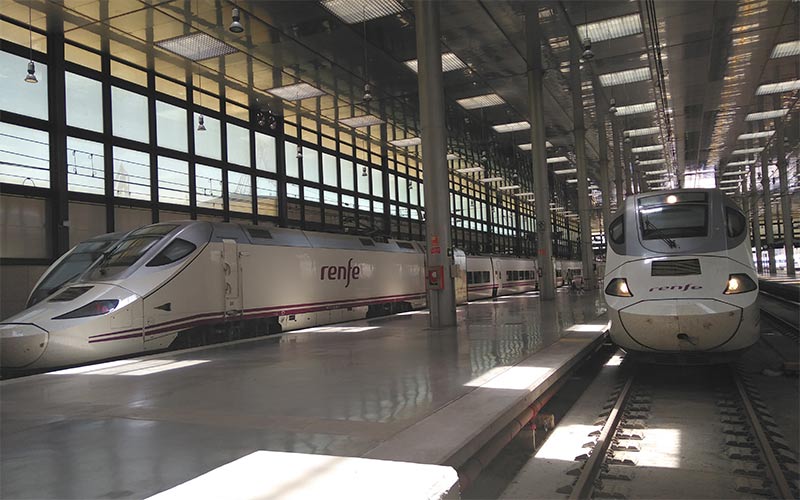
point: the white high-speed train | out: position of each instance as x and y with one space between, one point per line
179 284
680 283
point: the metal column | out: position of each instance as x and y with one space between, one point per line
765 160
605 187
786 199
618 181
442 302
626 161
544 230
584 204
754 217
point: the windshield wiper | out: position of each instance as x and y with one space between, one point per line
669 241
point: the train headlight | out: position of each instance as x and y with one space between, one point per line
96 308
618 287
739 283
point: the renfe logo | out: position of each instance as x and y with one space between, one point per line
340 272
680 288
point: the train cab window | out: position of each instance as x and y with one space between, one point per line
154 230
367 242
174 252
684 215
735 222
616 230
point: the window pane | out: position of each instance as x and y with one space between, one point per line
348 201
85 166
292 190
131 174
377 183
24 156
265 153
329 170
267 194
330 198
402 189
19 96
363 179
363 205
171 127
310 194
310 165
392 194
377 207
346 168
240 192
208 186
238 145
290 152
207 142
129 115
173 181
84 102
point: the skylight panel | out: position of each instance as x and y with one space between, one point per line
511 127
786 49
625 77
450 62
361 121
296 91
480 101
609 29
356 12
756 135
405 143
778 88
557 159
196 46
639 132
746 151
647 149
766 115
635 109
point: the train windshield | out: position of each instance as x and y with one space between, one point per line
75 263
669 216
127 252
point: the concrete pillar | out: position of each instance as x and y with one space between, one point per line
541 188
786 199
442 302
626 162
605 187
765 161
754 217
618 180
584 203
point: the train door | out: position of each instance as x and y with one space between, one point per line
232 273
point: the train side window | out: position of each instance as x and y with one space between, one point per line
485 276
616 230
735 222
174 252
469 277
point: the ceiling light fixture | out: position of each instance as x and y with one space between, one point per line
469 170
296 91
635 109
639 132
766 115
196 46
31 76
405 143
480 101
743 163
450 62
656 172
526 193
508 188
647 149
756 135
557 159
738 172
609 29
201 126
786 49
511 127
625 77
491 179
572 181
565 171
361 121
528 146
746 151
656 161
355 12
778 88
612 108
236 26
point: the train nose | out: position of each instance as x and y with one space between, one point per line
21 344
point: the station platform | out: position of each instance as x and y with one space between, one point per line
387 388
781 285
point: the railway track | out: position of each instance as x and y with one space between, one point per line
697 433
788 327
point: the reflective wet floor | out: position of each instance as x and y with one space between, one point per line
136 427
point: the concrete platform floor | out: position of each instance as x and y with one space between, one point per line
133 428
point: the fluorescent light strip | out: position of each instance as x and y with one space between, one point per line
609 29
452 156
639 132
738 172
746 151
469 170
508 188
526 193
511 127
450 62
405 143
730 181
361 121
766 115
657 161
572 181
557 159
196 46
786 49
625 77
528 146
647 149
480 101
565 171
296 92
656 181
635 109
491 179
778 88
756 135
743 163
656 172
356 12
